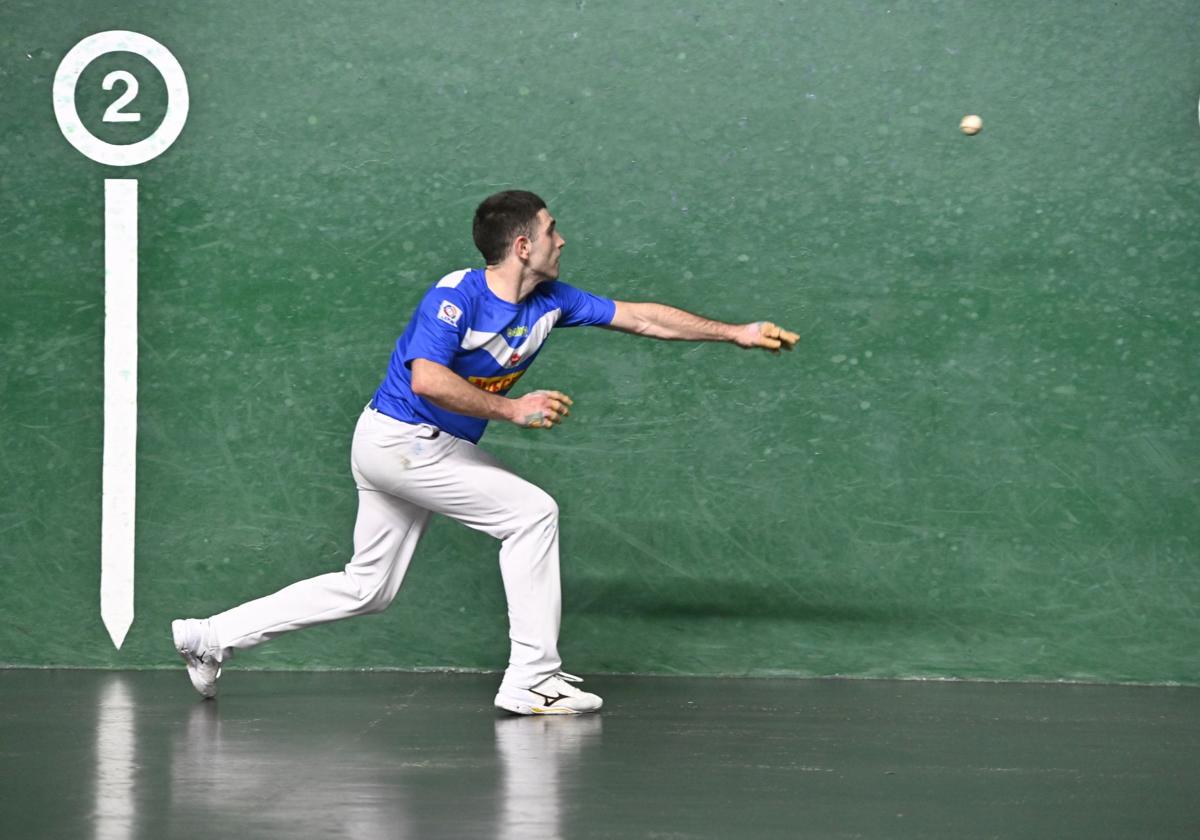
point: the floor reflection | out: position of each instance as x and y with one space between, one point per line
539 771
403 773
284 778
114 816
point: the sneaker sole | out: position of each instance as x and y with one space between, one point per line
523 709
539 710
208 692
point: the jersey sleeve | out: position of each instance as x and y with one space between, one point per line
580 308
438 327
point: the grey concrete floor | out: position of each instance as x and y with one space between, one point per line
94 754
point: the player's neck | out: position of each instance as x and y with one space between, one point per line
509 282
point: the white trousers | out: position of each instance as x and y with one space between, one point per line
404 473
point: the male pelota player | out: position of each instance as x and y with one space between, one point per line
474 334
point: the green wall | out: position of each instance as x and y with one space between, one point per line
982 461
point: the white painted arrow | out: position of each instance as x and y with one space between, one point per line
120 406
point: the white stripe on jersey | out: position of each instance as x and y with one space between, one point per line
499 349
451 281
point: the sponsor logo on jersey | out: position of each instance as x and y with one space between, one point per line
496 384
449 313
516 332
513 359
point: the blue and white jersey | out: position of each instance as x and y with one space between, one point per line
462 324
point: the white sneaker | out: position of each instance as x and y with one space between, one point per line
552 696
191 637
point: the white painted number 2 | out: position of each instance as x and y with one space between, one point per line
114 112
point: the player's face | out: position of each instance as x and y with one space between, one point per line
546 246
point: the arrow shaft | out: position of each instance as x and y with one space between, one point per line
120 406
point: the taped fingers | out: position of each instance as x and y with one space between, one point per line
558 395
552 408
776 337
558 403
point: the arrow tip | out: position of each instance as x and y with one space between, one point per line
117 623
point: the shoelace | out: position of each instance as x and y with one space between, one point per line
564 680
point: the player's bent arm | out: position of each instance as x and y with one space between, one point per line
657 320
446 389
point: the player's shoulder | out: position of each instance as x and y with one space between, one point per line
461 283
562 293
460 279
449 299
557 289
457 286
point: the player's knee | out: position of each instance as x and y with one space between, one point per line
542 508
533 510
375 601
369 602
373 605
373 594
537 511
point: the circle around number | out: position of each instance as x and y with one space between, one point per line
87 51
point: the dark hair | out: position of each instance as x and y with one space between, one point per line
500 219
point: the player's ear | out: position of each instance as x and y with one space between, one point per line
521 247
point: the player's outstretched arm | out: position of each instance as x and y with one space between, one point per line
657 320
446 389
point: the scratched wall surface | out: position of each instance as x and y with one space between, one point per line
982 462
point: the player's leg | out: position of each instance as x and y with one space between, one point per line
526 521
457 479
386 534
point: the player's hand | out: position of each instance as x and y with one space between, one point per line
766 335
541 409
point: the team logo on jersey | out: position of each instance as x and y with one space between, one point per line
449 313
496 384
516 332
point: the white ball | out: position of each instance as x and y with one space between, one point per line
971 124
